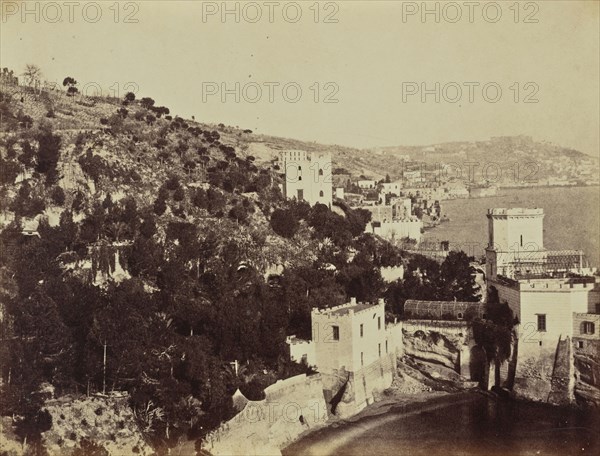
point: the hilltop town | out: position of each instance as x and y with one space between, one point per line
169 283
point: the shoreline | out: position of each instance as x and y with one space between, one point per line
312 441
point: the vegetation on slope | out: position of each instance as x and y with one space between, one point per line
146 268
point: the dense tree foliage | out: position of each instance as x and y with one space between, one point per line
192 251
426 279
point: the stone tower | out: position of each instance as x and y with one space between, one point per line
515 236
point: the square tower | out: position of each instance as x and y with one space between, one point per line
307 176
515 235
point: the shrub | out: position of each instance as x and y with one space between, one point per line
284 223
160 206
179 194
172 183
58 196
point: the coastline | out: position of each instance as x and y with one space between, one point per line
340 431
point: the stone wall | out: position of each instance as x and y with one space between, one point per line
359 386
290 407
544 373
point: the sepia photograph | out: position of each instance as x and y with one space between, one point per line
299 228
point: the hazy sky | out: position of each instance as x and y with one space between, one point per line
371 57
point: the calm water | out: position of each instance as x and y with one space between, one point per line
478 425
572 218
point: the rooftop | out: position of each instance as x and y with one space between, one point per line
352 307
349 308
515 211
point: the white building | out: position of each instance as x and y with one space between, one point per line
366 184
355 352
548 291
307 176
301 351
395 230
391 187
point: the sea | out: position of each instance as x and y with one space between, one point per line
571 222
472 425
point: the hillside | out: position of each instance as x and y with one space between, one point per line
141 255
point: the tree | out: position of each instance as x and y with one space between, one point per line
284 223
160 206
70 83
147 102
179 194
58 196
458 278
129 97
495 335
32 75
48 153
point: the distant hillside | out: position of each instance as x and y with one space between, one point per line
535 159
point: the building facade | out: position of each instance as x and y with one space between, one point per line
355 352
549 292
307 176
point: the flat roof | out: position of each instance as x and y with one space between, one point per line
354 307
515 211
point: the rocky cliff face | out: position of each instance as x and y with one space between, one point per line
106 421
433 347
587 375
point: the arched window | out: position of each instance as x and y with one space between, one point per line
320 172
460 315
321 193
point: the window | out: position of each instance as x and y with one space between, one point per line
362 359
378 322
541 322
386 346
460 315
321 193
379 348
299 178
587 327
579 344
521 240
299 168
362 330
320 172
336 332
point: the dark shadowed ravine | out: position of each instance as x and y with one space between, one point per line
463 424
